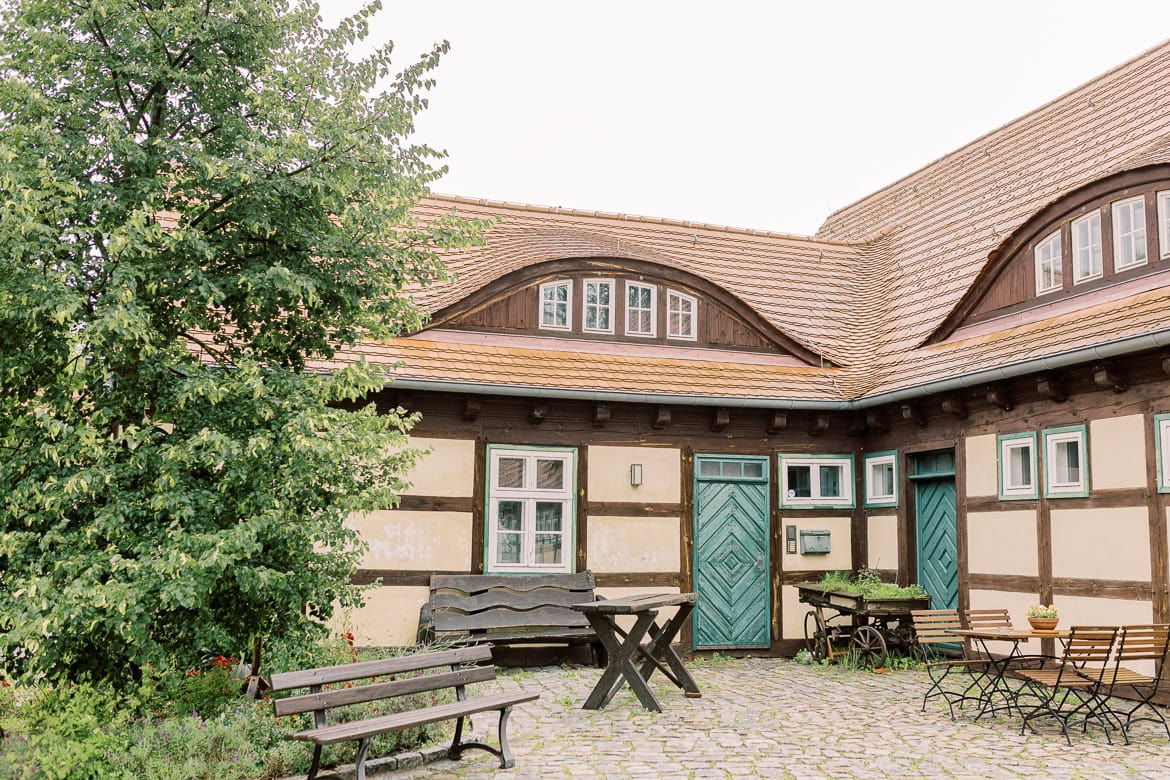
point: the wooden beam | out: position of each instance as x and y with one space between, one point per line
471 407
1050 386
820 424
720 419
661 417
954 405
600 414
912 412
1107 375
875 420
778 422
856 424
537 411
998 394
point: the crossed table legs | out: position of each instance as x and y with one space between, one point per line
621 648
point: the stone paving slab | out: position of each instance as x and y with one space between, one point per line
774 718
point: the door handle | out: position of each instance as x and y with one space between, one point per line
760 562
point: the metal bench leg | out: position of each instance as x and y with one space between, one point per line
316 763
455 750
359 764
506 760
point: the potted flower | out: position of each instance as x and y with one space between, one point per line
1042 618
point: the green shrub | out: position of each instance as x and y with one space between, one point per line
869 585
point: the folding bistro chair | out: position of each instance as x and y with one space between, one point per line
992 619
932 627
1073 692
1139 643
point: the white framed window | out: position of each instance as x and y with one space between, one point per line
1017 466
1049 264
681 312
1086 238
641 309
881 479
816 481
1066 466
1129 233
597 305
530 524
1164 224
556 305
1162 442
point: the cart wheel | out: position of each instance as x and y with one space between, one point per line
870 646
814 636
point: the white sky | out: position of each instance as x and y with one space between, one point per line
766 115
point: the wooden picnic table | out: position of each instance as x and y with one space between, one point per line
622 646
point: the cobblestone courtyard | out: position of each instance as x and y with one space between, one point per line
776 718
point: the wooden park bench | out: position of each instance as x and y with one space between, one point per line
407 676
507 610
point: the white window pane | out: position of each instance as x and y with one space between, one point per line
510 515
548 313
548 548
753 469
675 323
709 468
510 473
1067 469
800 481
733 469
591 292
562 317
603 320
887 481
830 477
508 548
1164 222
549 515
603 294
550 474
1020 467
591 317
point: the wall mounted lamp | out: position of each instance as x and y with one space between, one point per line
635 474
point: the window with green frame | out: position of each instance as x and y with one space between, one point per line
1017 466
812 481
881 479
529 525
1162 446
1066 462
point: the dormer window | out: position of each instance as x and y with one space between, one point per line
1129 233
556 305
1049 264
680 316
1164 223
598 306
640 309
1086 238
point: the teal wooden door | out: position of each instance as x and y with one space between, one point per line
731 552
936 527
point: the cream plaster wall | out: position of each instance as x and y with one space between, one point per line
664 614
982 466
1002 542
840 543
389 618
1015 603
1111 544
634 544
448 470
416 541
882 541
609 474
1086 611
1117 452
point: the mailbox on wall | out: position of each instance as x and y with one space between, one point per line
814 542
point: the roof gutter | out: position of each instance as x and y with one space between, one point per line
1110 349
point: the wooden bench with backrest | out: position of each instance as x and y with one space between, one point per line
409 674
499 609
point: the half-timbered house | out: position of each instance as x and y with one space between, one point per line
961 380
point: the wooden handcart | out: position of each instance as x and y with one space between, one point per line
876 627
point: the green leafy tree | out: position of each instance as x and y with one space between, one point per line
200 204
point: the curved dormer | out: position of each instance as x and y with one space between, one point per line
618 300
1099 240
